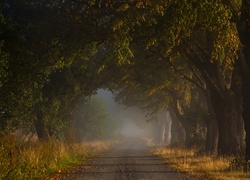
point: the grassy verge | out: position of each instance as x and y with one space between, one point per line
206 167
36 160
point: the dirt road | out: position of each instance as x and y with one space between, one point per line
130 161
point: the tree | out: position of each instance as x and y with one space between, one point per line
139 84
241 18
177 31
51 48
199 40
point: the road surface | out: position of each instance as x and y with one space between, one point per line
130 161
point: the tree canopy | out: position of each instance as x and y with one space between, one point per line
185 57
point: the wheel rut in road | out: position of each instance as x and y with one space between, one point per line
125 163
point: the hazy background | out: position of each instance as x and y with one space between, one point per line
126 122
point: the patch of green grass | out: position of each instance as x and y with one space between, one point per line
66 163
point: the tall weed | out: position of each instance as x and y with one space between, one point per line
37 160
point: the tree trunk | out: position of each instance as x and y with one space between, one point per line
243 26
162 126
41 130
212 134
168 129
246 117
246 97
187 127
177 131
228 115
156 134
162 133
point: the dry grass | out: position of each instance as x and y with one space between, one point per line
206 167
36 160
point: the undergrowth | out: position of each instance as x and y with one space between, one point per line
204 166
38 160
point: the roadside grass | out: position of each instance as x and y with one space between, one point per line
203 166
39 160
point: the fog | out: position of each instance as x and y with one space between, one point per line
130 129
103 118
130 124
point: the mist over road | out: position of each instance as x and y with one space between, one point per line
130 160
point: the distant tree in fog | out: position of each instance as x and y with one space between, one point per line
90 120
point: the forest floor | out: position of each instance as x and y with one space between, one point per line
130 160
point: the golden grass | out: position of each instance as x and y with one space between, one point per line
38 160
207 167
